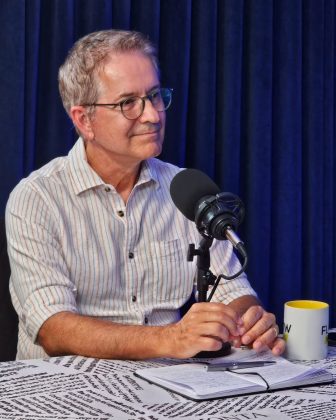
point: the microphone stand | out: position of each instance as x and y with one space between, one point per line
205 278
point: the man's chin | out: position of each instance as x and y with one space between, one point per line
152 145
154 150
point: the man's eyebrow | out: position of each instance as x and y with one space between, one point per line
124 95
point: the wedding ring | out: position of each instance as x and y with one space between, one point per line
276 330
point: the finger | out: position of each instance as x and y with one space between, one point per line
267 339
215 307
278 346
212 329
208 344
198 344
225 318
209 323
252 316
266 322
236 341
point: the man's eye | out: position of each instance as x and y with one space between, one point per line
156 94
156 97
129 102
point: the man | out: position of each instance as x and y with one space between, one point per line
97 248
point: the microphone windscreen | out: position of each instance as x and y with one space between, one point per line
188 187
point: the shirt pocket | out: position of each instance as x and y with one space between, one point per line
171 274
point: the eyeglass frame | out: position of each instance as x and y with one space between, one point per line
149 96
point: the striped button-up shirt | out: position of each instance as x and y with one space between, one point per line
75 246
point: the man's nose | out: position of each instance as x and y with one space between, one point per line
150 114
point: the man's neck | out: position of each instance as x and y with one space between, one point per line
122 180
121 175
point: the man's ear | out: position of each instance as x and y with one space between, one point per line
82 121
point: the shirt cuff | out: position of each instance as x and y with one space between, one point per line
42 305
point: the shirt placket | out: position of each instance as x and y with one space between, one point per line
132 264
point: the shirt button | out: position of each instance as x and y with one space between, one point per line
146 320
133 298
107 189
130 255
120 213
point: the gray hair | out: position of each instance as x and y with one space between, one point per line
77 77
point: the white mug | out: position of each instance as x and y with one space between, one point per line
306 329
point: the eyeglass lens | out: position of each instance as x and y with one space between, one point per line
133 107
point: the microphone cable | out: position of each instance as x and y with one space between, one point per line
240 247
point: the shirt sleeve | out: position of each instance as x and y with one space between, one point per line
224 261
40 284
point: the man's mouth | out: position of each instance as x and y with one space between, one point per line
148 130
147 133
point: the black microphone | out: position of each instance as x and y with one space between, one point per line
217 215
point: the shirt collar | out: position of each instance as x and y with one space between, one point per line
148 173
85 178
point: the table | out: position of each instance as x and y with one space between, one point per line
74 387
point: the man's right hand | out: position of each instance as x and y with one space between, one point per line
204 328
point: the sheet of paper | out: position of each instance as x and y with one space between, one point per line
196 377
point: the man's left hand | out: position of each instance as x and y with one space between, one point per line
261 331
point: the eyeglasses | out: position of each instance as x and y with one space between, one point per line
133 107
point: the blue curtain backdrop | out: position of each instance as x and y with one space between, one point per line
254 107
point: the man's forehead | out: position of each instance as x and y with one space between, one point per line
127 60
128 70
